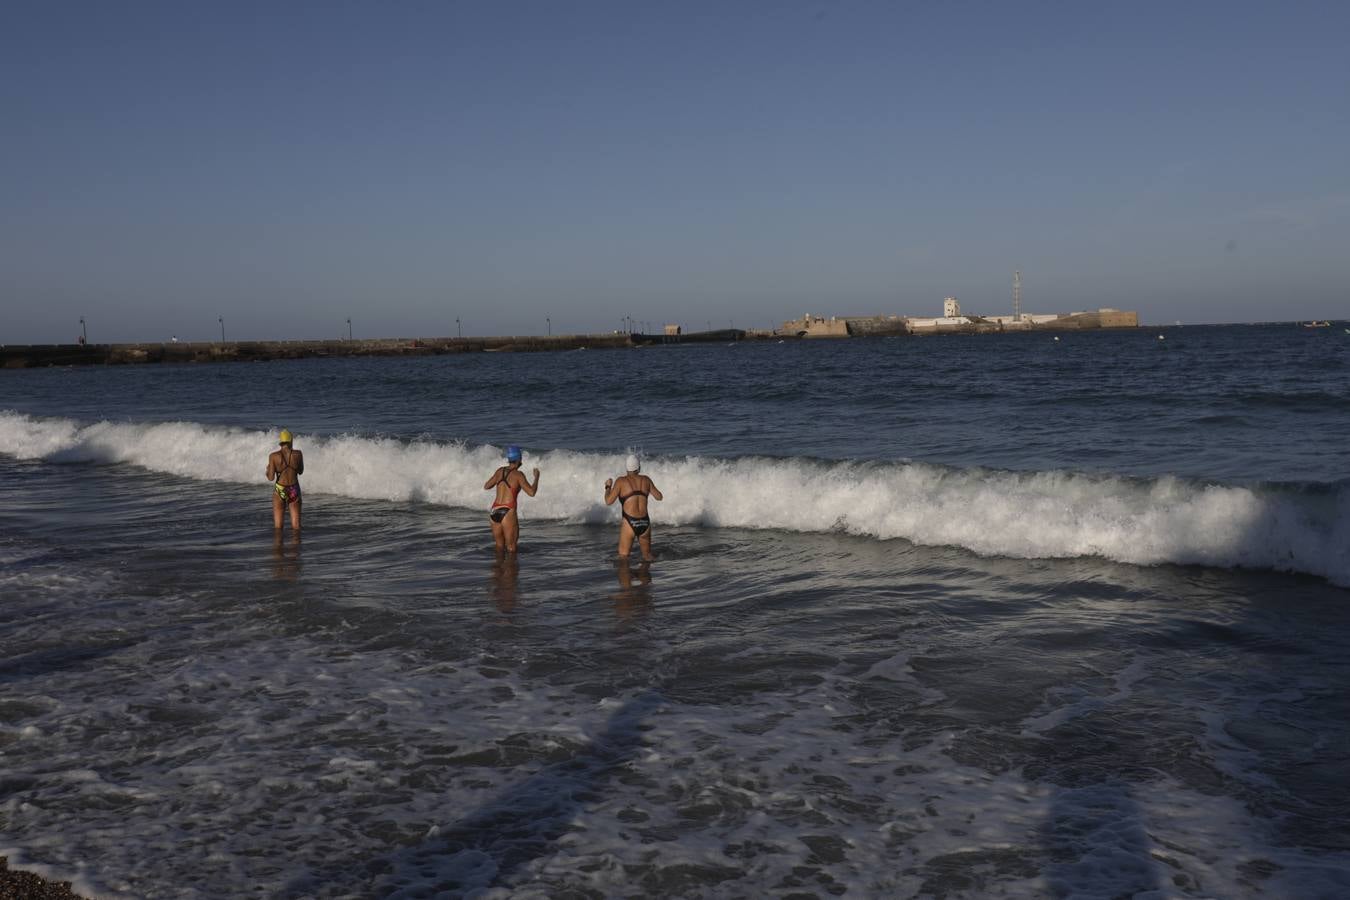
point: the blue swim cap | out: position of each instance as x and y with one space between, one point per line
513 453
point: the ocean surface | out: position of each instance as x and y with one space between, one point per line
992 616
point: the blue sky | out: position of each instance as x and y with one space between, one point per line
290 165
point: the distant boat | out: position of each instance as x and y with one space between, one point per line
1316 324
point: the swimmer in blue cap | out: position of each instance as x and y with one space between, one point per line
509 482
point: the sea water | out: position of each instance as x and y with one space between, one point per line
949 617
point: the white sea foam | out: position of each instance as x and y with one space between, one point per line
993 513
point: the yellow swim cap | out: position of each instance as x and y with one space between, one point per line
285 437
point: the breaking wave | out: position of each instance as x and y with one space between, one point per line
1141 521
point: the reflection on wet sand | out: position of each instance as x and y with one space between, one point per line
285 557
505 572
633 601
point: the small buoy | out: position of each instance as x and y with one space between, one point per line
1056 337
1162 337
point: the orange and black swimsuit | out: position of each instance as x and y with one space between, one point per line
500 508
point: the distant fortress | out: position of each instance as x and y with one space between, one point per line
953 321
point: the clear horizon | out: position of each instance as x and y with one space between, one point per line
539 166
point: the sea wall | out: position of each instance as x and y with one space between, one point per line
879 326
719 336
18 356
1105 318
816 327
21 356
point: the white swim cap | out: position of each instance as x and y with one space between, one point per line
632 463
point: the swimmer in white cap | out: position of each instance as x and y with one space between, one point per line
632 491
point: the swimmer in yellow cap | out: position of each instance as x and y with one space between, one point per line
284 467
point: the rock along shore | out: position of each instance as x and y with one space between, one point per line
17 884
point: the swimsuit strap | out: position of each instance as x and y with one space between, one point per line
636 493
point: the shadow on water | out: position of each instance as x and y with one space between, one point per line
502 584
285 558
1212 645
523 823
46 662
1097 832
633 601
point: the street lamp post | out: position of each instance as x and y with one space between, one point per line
458 330
549 320
349 328
221 320
84 332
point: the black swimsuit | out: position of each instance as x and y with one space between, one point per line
639 524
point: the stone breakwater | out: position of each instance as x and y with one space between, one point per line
20 356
